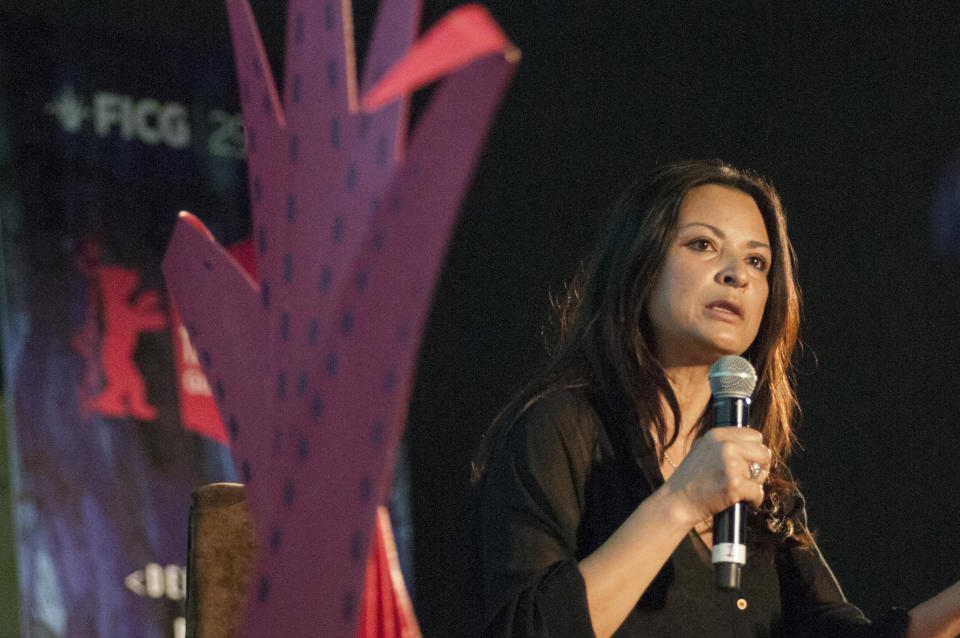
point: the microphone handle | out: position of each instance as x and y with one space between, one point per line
729 529
729 547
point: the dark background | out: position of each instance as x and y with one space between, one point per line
851 109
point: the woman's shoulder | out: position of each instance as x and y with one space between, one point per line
546 453
563 420
567 405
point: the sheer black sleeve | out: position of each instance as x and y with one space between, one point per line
529 513
813 604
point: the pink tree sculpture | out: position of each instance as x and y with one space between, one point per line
311 364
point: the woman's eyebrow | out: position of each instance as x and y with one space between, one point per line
722 235
716 231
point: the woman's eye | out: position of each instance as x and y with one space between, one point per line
757 262
700 244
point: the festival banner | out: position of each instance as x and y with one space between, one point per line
111 424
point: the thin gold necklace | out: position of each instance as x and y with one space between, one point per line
670 461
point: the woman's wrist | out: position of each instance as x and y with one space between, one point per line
678 509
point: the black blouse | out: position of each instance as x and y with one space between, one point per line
555 490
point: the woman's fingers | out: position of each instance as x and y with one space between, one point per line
743 451
725 466
746 463
740 487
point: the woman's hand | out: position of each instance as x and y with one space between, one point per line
938 617
715 474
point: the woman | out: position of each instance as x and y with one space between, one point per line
598 484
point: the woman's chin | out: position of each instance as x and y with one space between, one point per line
722 349
701 350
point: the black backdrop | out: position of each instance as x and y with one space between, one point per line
851 109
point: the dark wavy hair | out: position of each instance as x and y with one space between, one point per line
606 340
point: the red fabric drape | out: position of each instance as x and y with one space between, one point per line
387 612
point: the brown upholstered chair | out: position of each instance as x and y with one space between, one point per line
219 561
220 564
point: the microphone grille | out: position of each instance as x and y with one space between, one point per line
732 376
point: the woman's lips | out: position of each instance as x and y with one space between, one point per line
727 307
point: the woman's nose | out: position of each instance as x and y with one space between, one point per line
733 274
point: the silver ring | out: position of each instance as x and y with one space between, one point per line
756 471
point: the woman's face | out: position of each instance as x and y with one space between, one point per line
709 298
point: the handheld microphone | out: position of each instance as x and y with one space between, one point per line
732 380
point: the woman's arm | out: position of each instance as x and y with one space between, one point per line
621 569
814 605
530 509
712 477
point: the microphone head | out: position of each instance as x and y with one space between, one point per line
732 376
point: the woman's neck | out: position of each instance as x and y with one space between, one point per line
691 387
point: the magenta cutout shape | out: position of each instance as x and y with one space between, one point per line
311 365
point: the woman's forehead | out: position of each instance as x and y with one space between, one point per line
722 210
